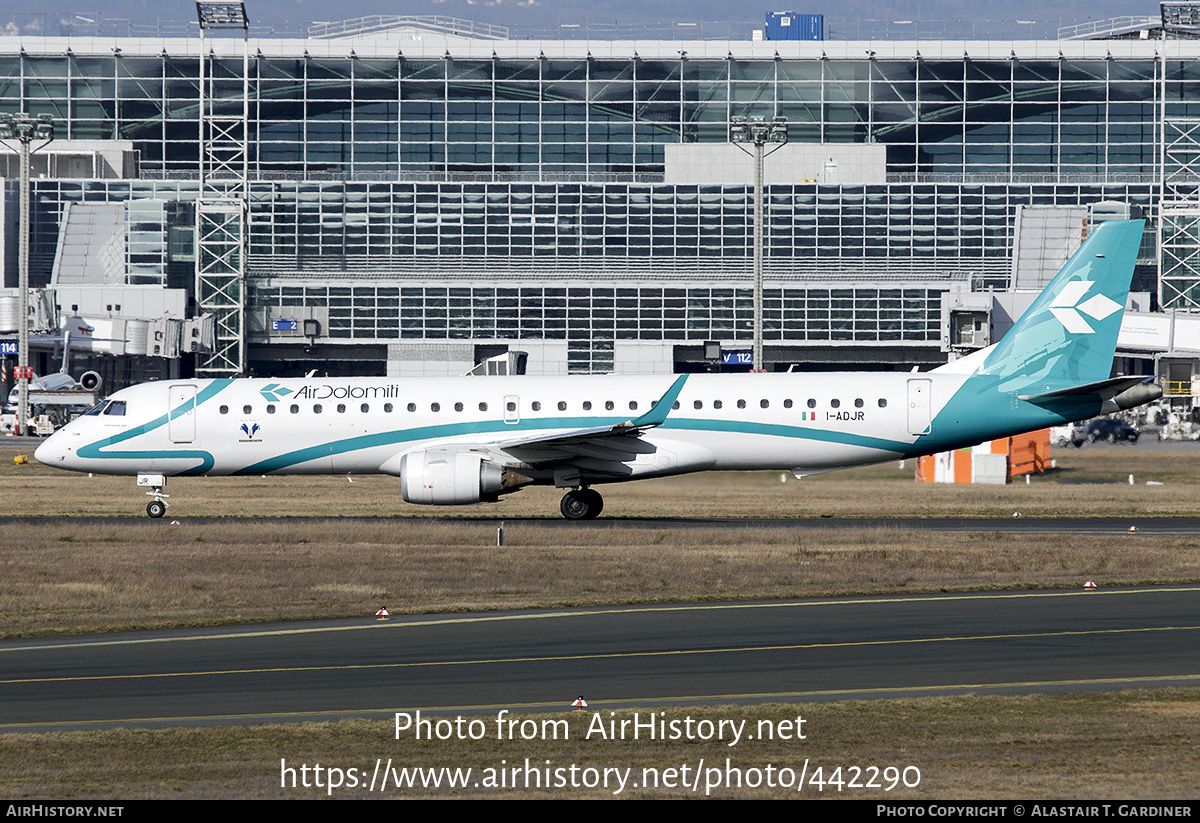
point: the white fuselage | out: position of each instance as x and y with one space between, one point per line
803 422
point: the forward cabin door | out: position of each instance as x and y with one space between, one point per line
920 405
182 425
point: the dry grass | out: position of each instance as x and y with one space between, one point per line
1089 482
57 577
1125 745
68 578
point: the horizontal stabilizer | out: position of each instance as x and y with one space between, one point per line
1115 394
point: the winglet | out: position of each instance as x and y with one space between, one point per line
658 414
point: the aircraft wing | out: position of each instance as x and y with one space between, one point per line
616 442
576 437
598 450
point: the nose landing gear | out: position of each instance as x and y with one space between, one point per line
581 504
157 507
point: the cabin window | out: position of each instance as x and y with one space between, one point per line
317 408
341 407
562 406
435 407
698 404
764 403
675 405
536 406
387 408
294 409
270 408
246 409
834 404
858 403
883 402
483 406
717 404
609 405
116 408
224 410
741 404
412 407
787 404
633 405
458 406
812 404
364 408
587 405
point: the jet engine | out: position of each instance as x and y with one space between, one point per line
443 477
90 380
1135 396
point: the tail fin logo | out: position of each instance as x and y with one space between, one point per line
1066 307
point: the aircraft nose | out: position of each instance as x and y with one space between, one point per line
51 451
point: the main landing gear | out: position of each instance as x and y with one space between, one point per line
581 504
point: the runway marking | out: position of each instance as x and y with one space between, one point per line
608 656
609 702
447 621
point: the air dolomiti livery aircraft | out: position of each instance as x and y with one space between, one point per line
456 441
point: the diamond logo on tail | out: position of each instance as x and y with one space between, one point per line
1067 307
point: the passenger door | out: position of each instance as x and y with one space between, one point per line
182 409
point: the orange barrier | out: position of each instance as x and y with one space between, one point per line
1023 454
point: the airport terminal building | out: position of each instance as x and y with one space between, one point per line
410 196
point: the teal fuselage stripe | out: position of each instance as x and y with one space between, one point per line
370 441
795 432
986 412
97 450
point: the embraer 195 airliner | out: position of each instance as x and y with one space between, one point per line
458 441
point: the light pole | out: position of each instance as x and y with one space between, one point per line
24 128
758 131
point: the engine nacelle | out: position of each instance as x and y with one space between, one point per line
90 380
443 477
1134 396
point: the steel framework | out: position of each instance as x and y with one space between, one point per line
1179 178
224 186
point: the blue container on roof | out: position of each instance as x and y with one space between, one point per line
787 25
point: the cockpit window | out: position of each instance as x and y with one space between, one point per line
116 408
96 409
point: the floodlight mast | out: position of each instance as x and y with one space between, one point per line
222 14
758 131
24 128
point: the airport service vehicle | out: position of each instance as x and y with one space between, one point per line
1114 431
460 441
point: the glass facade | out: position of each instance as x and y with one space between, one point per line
429 197
370 118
